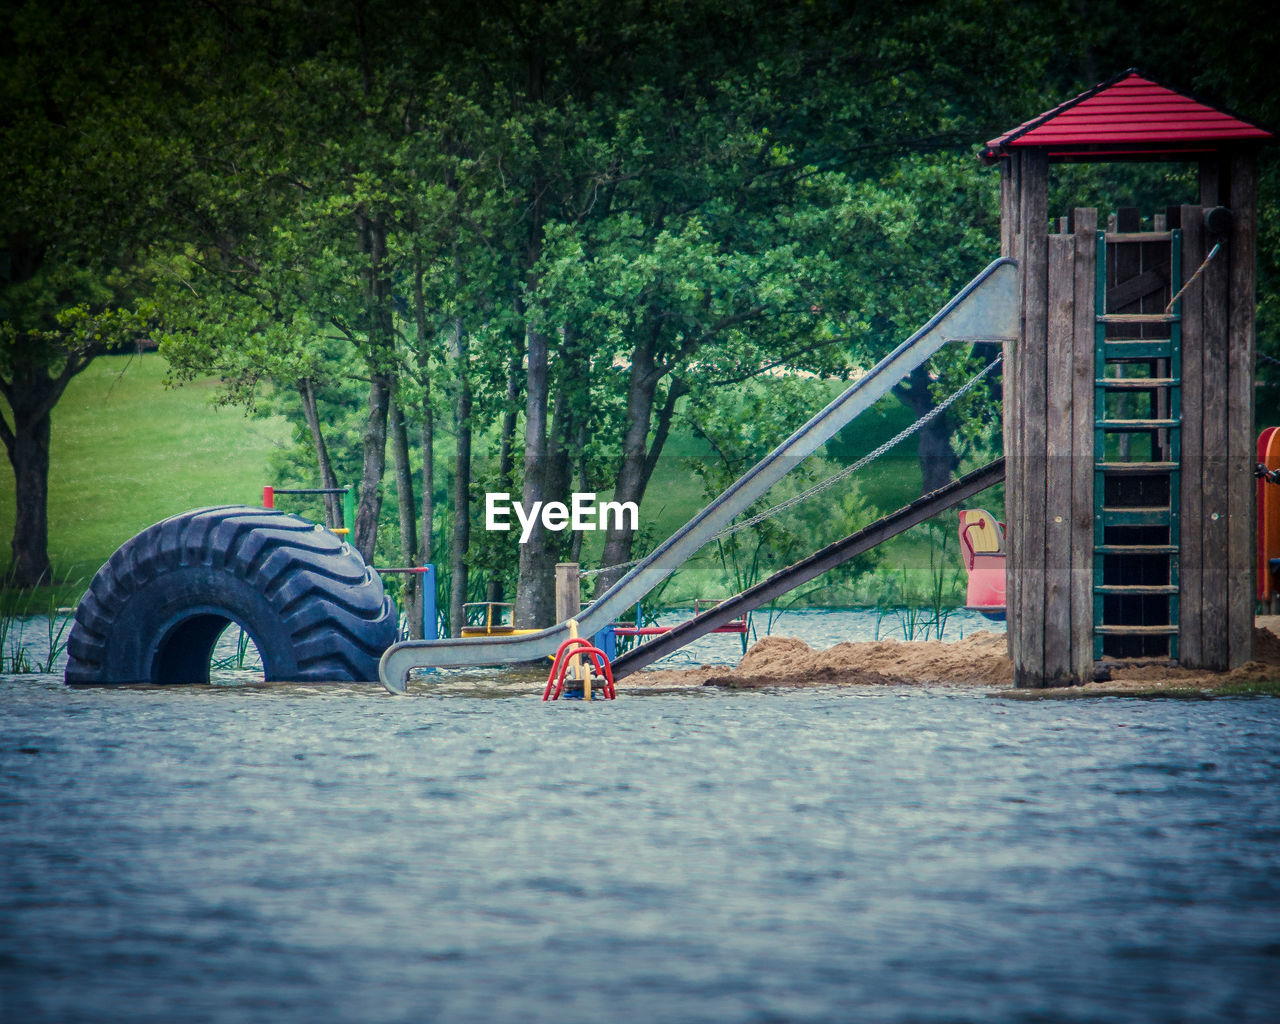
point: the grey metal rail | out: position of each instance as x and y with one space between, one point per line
986 309
785 580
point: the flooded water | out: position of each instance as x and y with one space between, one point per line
289 853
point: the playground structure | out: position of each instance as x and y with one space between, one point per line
1128 409
1268 505
490 618
984 310
1128 421
348 526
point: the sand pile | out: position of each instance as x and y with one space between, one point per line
980 659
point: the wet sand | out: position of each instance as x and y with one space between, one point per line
979 660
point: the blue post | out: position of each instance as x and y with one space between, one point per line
430 627
607 642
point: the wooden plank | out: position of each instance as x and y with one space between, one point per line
1241 446
1135 426
1137 468
1008 205
1214 511
1059 358
1135 319
1191 547
1135 383
1010 377
1085 222
1033 264
1125 264
1211 181
1138 236
1151 280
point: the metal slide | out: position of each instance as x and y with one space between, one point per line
785 580
986 309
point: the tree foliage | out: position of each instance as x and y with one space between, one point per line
525 241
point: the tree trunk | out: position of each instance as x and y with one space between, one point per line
619 540
408 516
506 463
426 541
29 456
933 445
634 470
32 394
535 594
311 413
380 358
461 483
580 468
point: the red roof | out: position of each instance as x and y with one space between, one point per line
1128 116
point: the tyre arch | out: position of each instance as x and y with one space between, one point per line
313 608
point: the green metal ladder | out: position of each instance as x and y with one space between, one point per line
1136 484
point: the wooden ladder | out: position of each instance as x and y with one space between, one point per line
1137 445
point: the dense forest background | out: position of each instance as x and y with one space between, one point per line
488 246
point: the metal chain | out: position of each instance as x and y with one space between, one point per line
848 471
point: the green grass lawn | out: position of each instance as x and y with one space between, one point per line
127 451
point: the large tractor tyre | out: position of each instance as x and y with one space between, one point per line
313 608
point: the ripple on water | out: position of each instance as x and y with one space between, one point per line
282 854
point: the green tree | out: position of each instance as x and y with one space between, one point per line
89 175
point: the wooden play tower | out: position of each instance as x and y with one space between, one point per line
1128 416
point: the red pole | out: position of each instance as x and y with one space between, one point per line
268 497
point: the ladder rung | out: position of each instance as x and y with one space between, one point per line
1150 515
1135 468
1166 630
1137 318
1136 549
1128 590
1133 426
1137 351
1135 383
1139 236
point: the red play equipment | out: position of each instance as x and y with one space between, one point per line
1268 520
982 547
568 654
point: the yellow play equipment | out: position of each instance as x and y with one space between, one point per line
490 618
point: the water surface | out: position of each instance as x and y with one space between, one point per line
297 853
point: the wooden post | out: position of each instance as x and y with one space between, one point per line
1191 550
1012 432
568 591
1242 529
1085 222
1059 438
1215 509
1028 455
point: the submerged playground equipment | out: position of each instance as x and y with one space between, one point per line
984 310
154 612
1128 414
1129 393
